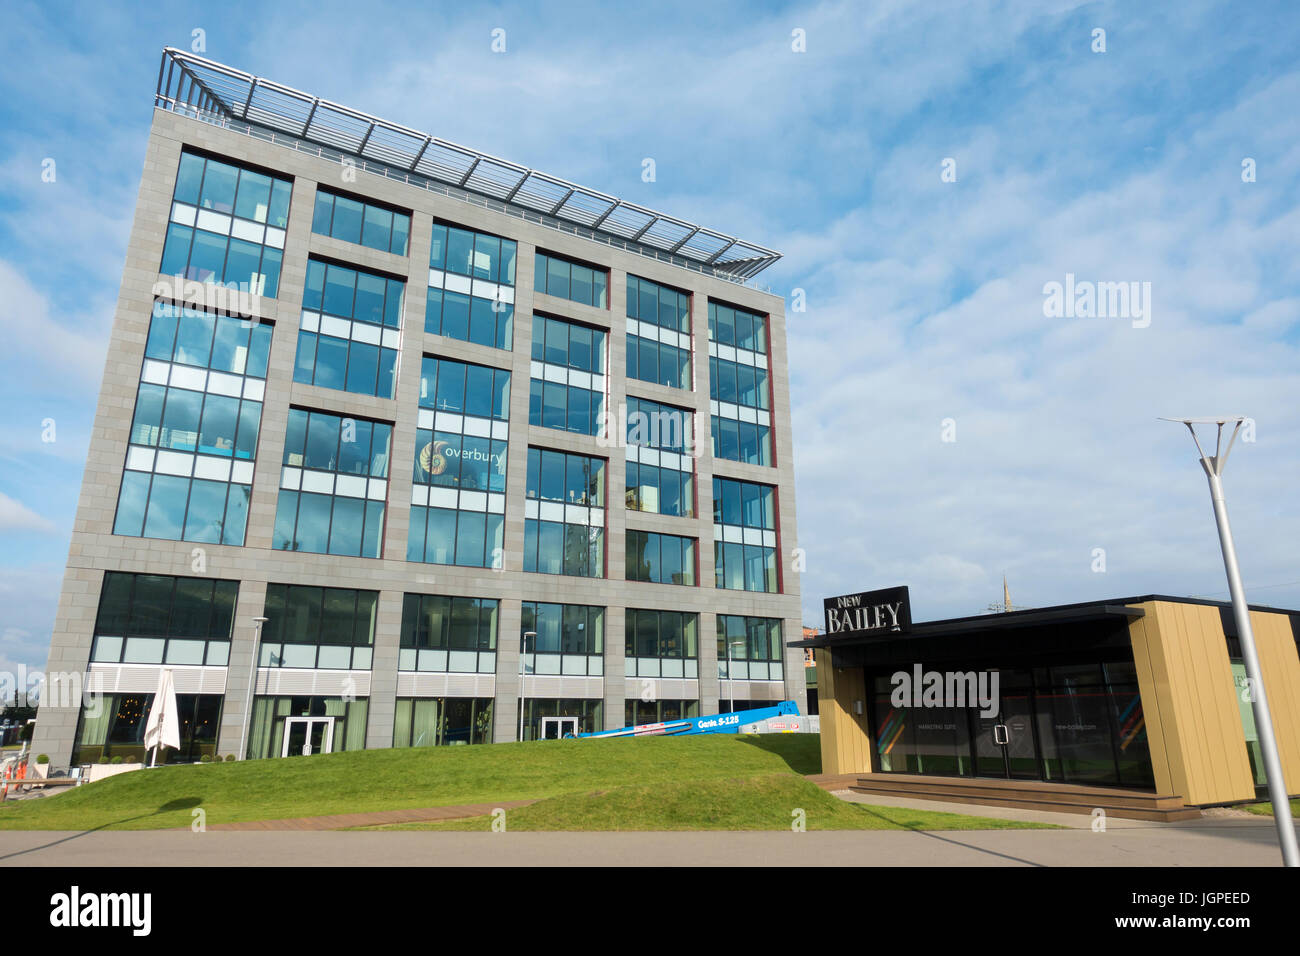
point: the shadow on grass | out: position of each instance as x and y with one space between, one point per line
171 806
798 756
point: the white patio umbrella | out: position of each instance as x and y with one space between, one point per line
163 728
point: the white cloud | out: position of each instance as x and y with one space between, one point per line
15 517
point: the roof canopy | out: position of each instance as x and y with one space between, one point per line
194 84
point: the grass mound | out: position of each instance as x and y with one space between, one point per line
766 802
369 780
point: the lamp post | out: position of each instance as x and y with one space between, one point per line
523 646
1214 466
731 681
252 679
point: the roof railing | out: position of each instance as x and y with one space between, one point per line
221 96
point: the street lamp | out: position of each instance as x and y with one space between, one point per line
523 646
731 681
1214 466
252 679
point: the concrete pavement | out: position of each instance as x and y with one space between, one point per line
1196 843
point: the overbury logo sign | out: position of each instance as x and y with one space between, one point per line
887 610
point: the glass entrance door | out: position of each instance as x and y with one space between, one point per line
307 736
556 728
1004 744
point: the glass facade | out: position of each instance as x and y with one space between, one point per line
189 462
660 558
570 639
448 634
589 713
350 333
660 467
658 711
227 225
738 385
327 628
333 485
477 255
744 536
1076 723
567 389
564 514
585 285
340 721
442 721
749 648
658 334
471 293
158 619
661 644
458 496
113 727
364 223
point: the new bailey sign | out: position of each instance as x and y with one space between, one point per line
885 611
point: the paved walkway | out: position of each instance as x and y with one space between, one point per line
1195 843
341 821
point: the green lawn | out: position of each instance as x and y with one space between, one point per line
1265 809
693 782
767 802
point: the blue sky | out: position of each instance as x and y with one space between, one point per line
924 297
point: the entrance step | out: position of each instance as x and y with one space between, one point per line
1030 795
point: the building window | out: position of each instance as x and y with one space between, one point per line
567 390
448 634
564 514
114 727
477 255
156 619
661 644
660 558
333 485
748 442
586 285
739 389
271 716
227 225
471 293
361 222
658 334
637 712
754 645
325 628
570 639
744 536
350 333
193 440
439 721
658 305
589 714
660 468
458 494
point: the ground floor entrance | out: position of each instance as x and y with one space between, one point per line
1078 723
307 736
557 728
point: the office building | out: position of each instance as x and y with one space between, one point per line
386 409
